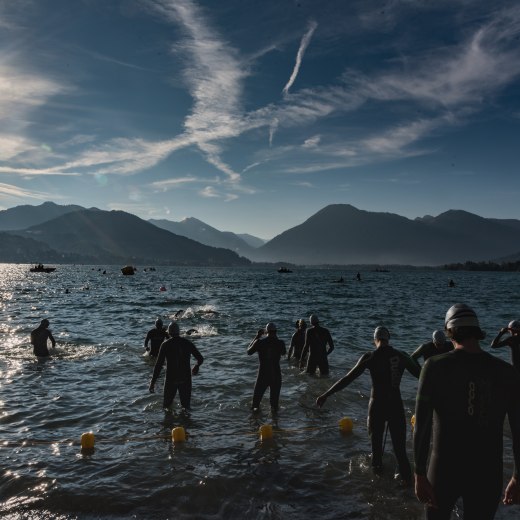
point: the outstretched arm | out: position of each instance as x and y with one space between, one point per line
417 353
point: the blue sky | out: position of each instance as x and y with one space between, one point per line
252 116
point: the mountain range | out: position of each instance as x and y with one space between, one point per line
339 234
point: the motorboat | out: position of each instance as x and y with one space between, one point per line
40 268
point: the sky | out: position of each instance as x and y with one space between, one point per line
253 115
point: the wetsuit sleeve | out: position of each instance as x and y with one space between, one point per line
411 365
330 342
253 347
513 415
158 364
354 373
146 340
282 348
53 341
423 418
496 343
418 353
196 354
306 346
291 346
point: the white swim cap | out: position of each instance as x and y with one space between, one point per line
381 333
314 319
460 315
515 324
438 337
173 329
270 326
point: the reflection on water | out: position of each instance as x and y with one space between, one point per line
98 381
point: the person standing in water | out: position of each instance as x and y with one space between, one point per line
270 349
438 345
177 352
464 397
39 337
155 337
316 340
512 341
386 366
297 341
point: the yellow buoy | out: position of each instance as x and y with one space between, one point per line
266 432
346 425
87 441
412 422
178 434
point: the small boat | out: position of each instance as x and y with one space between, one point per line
128 270
284 270
40 268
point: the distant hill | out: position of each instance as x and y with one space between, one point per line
252 240
22 217
205 234
119 237
343 234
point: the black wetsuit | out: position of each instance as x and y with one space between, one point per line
155 336
513 342
297 342
427 350
39 337
466 397
177 352
316 340
386 366
270 349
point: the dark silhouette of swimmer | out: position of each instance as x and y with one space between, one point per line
270 349
316 340
451 283
297 341
358 277
178 313
463 399
386 366
39 337
177 352
438 345
512 341
189 332
155 337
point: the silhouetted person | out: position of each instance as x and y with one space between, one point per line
438 345
358 277
177 352
386 366
155 337
464 397
270 349
512 341
316 340
39 337
451 283
297 341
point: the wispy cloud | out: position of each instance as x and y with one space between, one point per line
169 184
299 56
10 191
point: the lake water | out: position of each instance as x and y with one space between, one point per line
98 381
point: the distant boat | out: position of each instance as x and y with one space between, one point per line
128 270
40 268
284 270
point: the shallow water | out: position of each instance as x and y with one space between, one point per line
98 381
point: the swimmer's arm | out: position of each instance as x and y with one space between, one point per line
198 356
331 344
423 420
53 341
513 415
411 365
496 343
158 367
305 349
417 353
146 340
283 350
342 383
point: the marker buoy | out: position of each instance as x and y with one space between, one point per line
346 425
266 432
412 422
178 434
87 441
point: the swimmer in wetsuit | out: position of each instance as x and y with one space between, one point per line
297 341
438 345
155 337
316 340
386 366
177 352
463 397
39 337
512 341
270 349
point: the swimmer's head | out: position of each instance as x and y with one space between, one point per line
302 324
173 329
44 323
461 323
270 327
438 337
381 333
314 319
159 323
515 324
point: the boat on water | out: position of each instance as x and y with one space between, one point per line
128 270
284 270
40 268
